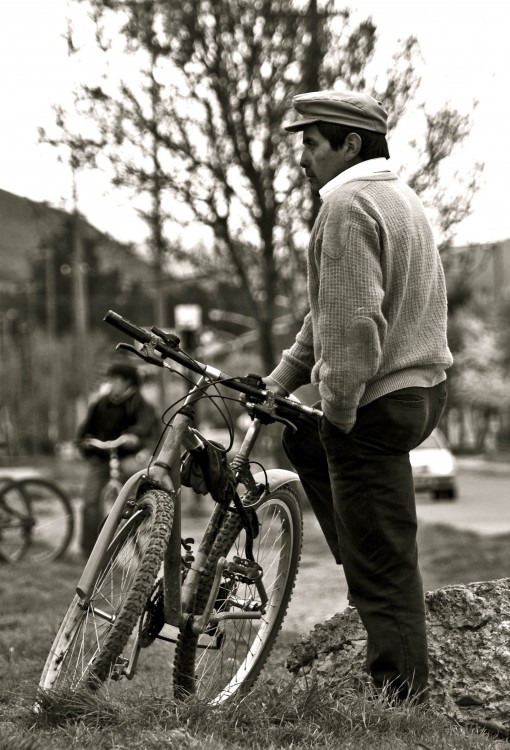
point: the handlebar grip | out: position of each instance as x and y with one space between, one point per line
116 320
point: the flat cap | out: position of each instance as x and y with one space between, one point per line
341 107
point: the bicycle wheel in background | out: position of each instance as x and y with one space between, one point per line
226 662
91 639
50 522
15 525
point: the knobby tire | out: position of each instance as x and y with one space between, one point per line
90 639
238 649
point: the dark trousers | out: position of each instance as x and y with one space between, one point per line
97 475
360 486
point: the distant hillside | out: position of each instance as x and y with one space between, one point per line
28 227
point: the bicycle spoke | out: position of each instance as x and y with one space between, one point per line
92 636
242 645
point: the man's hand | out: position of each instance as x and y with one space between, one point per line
275 387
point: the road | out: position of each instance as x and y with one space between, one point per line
483 504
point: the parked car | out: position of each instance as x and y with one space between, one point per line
434 468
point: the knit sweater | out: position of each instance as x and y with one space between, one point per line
377 296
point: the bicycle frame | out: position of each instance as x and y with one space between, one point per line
165 473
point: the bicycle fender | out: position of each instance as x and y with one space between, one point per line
89 575
275 478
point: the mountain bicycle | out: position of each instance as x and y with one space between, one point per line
36 520
221 602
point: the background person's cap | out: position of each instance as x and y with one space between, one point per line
340 107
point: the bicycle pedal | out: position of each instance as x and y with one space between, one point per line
119 669
246 571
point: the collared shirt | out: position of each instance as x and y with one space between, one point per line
363 169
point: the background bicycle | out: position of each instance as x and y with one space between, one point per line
36 520
219 604
114 483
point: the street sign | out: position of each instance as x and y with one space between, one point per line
188 317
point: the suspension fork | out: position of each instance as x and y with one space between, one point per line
167 471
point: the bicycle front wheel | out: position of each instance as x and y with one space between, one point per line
92 637
226 660
49 525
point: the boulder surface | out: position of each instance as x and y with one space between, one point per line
468 630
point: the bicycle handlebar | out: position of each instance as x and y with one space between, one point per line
170 348
105 445
140 334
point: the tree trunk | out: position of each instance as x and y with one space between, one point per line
267 349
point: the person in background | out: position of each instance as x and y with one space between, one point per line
374 341
121 411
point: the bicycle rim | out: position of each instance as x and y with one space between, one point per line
50 524
90 639
15 525
226 662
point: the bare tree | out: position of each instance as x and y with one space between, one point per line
200 129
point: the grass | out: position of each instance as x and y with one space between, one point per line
142 715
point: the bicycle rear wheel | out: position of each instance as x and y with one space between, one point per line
226 662
15 525
92 637
49 524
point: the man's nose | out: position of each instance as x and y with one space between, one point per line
304 162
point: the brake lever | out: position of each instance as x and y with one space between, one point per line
267 412
146 353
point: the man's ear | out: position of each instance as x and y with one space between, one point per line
352 146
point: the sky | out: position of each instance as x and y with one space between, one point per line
466 57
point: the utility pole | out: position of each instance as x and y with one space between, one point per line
51 328
80 307
157 237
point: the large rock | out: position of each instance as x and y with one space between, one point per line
469 646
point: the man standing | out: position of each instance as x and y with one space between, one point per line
375 343
121 411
